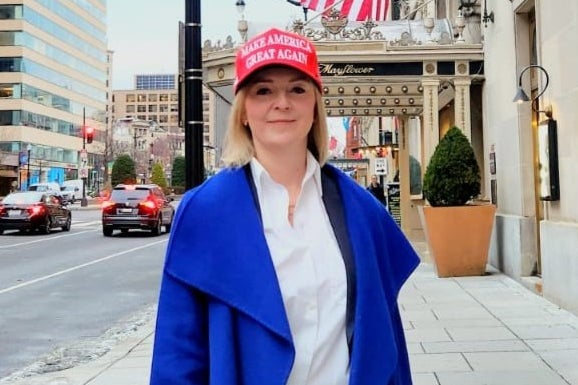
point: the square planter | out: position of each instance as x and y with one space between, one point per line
458 238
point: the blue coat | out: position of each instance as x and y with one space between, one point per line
221 319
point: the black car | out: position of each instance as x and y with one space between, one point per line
137 206
34 210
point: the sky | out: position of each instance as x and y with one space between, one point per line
144 33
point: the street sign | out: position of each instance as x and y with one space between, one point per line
83 165
380 166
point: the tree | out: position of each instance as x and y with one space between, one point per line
452 177
178 174
158 175
123 170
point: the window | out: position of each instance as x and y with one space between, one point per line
174 98
130 98
141 98
174 107
6 90
163 119
130 108
164 108
152 108
164 97
153 97
141 108
153 118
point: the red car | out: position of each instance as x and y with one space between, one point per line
34 210
139 206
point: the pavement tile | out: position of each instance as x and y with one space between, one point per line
426 335
480 333
443 362
122 376
562 361
463 313
418 315
544 331
505 361
474 346
518 377
487 322
424 379
553 344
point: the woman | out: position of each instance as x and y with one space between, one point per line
281 269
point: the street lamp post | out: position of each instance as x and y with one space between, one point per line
29 150
84 201
194 167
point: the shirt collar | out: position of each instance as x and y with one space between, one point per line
313 170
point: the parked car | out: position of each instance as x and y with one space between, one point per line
52 187
72 189
34 210
139 206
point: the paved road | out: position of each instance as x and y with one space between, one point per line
60 293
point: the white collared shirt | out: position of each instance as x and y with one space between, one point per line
311 276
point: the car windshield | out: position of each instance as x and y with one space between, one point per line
22 198
67 188
38 188
137 194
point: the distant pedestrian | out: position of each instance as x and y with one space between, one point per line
376 189
281 269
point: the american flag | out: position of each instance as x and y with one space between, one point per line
358 10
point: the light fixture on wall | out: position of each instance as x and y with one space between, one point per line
521 96
547 135
486 17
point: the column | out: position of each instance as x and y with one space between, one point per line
462 106
431 132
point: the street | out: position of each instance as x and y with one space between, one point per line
61 293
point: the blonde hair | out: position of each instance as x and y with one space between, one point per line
238 148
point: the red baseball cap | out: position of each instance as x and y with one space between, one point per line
276 47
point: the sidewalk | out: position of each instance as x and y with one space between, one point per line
460 331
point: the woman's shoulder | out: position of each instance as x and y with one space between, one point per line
218 187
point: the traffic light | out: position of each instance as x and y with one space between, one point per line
89 132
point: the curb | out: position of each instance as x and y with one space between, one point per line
89 372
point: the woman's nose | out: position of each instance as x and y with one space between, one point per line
282 100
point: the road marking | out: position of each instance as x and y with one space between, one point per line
43 239
84 224
61 272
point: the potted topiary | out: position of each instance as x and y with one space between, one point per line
457 229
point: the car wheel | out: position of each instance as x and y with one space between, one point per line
107 231
156 230
47 226
66 226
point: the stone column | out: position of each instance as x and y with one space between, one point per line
431 131
462 106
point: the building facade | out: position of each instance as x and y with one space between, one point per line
530 146
54 81
154 103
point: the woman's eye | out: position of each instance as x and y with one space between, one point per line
298 90
262 91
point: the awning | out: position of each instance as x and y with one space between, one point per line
8 174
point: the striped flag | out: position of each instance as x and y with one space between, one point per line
358 10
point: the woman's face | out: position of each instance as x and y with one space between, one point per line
280 109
